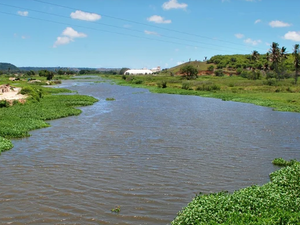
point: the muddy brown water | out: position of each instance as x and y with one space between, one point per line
148 153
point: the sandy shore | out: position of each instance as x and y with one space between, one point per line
12 95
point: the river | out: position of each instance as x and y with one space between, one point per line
147 153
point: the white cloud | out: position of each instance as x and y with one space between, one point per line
257 21
68 35
151 32
179 63
173 4
292 35
23 13
62 41
252 42
239 36
80 15
277 23
70 32
158 19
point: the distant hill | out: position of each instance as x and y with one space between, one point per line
197 64
28 68
234 62
8 67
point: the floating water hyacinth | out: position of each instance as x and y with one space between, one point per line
277 202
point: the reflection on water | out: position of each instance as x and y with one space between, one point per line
147 153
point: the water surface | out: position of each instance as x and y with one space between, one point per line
148 153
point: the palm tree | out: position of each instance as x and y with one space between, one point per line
277 55
296 55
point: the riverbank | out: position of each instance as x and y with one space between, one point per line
281 95
17 120
276 202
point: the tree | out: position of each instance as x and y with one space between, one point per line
189 72
123 70
277 56
296 55
254 57
46 73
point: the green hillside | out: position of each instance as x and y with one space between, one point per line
5 67
234 62
197 64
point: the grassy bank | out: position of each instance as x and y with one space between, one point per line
277 202
279 95
17 120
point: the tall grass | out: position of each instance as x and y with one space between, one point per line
277 202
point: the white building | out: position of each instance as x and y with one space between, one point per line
137 72
156 69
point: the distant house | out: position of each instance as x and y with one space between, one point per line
156 69
138 72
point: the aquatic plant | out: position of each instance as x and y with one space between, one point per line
5 144
110 99
116 210
277 202
282 162
18 120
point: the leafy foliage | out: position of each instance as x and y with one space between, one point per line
5 144
277 202
46 73
282 162
189 72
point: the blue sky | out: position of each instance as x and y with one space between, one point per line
141 33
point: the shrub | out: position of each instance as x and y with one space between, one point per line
244 74
4 103
211 68
239 71
162 84
270 82
186 85
137 81
219 73
206 87
34 93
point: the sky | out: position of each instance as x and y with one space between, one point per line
141 33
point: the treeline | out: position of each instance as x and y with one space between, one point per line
246 62
276 63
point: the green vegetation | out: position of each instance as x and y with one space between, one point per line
116 210
282 162
110 99
5 144
17 120
189 72
280 95
277 202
